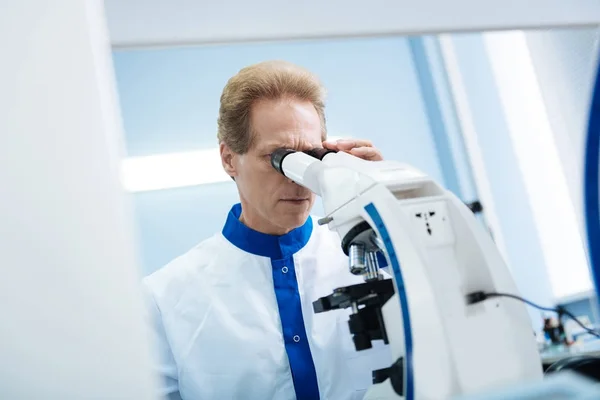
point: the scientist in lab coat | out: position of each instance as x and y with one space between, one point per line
233 317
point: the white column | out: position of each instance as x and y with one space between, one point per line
539 162
470 135
71 325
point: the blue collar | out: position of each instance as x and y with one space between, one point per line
261 244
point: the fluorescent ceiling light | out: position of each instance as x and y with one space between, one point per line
175 170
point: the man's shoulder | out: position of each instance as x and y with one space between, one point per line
185 269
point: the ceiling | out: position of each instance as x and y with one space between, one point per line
135 23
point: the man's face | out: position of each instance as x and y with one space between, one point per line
271 203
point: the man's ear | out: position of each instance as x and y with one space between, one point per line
227 160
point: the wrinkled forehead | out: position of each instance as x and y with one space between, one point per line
285 123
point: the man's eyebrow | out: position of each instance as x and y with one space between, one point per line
273 146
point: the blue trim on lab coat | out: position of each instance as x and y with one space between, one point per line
262 244
281 249
297 347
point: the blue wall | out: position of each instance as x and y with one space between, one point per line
170 99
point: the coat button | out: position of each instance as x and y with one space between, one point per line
284 269
296 338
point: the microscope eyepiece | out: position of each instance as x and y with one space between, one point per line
279 155
319 153
277 158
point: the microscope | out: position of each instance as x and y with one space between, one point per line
445 339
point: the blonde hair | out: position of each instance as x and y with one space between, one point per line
266 80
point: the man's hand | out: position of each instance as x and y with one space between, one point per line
357 147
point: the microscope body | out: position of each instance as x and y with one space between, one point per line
437 253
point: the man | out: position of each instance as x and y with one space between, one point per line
233 317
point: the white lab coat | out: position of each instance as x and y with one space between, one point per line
233 319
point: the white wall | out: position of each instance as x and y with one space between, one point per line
565 65
523 98
537 156
498 178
